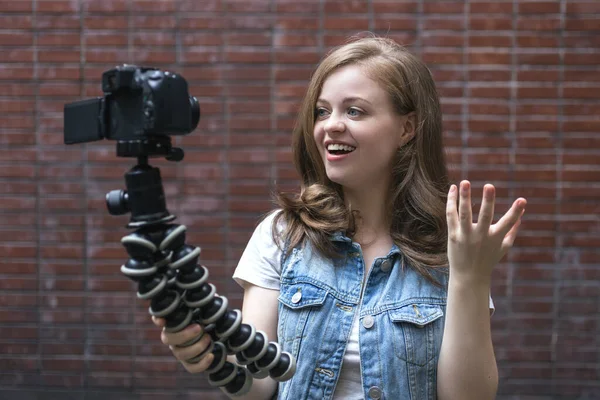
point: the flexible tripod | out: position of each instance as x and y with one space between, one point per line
167 273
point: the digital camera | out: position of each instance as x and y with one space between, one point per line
138 103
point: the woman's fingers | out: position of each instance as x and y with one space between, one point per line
177 338
486 212
465 214
510 237
191 346
451 213
201 365
193 350
508 220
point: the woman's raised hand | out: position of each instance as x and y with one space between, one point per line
475 249
196 357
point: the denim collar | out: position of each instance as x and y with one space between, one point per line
340 236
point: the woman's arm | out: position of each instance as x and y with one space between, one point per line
467 365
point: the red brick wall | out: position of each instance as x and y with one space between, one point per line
520 86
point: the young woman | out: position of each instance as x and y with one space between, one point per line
374 276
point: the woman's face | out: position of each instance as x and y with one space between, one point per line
357 130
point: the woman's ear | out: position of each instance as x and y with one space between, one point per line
408 128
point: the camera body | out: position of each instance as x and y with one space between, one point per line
138 103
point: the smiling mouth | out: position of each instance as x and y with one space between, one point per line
339 149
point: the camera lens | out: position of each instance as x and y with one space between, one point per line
195 107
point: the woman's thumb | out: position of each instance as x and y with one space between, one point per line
160 322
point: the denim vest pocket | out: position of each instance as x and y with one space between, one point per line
297 302
417 330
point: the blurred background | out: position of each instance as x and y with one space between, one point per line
520 87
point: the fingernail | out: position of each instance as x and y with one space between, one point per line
452 189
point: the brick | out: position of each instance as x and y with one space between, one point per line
583 24
489 7
488 75
538 75
16 21
395 23
291 40
538 92
343 7
539 7
252 22
578 39
23 39
490 92
249 55
490 24
258 6
16 56
293 23
497 58
443 57
346 23
16 7
583 7
538 24
537 126
57 7
146 39
249 172
205 6
297 6
201 39
197 22
537 40
105 22
62 379
489 41
387 6
488 109
252 39
147 6
445 23
443 39
538 59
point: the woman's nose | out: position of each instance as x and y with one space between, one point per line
334 124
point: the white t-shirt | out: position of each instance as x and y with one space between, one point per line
260 266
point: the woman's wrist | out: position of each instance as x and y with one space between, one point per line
469 283
469 279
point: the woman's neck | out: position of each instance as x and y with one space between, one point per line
373 222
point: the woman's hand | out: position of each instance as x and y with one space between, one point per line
475 249
201 347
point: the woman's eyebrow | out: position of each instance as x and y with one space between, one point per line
347 100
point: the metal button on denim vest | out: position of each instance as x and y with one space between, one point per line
400 332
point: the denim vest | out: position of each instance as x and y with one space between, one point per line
401 323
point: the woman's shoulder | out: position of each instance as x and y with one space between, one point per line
266 223
264 235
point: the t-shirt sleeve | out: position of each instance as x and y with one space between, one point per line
260 261
492 308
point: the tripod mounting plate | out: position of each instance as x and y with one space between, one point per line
153 146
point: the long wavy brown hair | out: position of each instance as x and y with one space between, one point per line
420 181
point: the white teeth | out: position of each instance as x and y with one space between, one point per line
343 147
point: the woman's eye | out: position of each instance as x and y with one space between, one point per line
320 112
354 112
